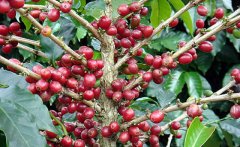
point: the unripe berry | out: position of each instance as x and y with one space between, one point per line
46 31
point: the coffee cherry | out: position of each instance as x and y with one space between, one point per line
92 64
66 141
55 87
137 34
185 58
144 126
114 127
3 30
126 43
6 49
157 62
89 113
153 139
174 23
45 95
88 95
157 116
46 31
236 33
147 31
124 137
50 134
106 131
79 143
219 13
135 6
178 135
212 38
194 110
72 107
72 83
65 7
235 111
92 133
155 130
134 131
104 22
175 125
11 13
84 134
32 88
133 68
205 46
89 80
123 10
213 21
128 114
235 72
35 13
13 27
148 59
128 95
200 23
112 31
16 3
69 127
144 11
53 15
202 10
86 51
42 85
117 96
42 16
4 6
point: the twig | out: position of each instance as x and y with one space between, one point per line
21 39
36 52
169 140
34 6
83 21
36 76
58 41
60 123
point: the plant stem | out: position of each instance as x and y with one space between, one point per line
36 52
34 6
217 121
169 140
21 39
60 123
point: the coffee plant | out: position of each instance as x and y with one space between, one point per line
108 73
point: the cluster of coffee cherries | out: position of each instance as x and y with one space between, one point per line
193 111
85 129
6 31
71 74
235 30
53 14
8 7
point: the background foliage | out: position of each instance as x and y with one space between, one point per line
23 114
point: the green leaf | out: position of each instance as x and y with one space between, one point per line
95 8
194 84
19 129
201 61
161 10
144 103
236 42
163 96
227 78
26 22
211 6
231 126
81 33
178 4
175 82
197 134
228 4
205 83
219 43
213 141
229 138
3 141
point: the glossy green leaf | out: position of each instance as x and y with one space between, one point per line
175 82
228 4
178 4
197 134
26 22
163 96
211 6
201 63
219 43
144 103
229 138
3 141
161 10
194 84
81 33
236 42
231 126
213 141
95 8
19 129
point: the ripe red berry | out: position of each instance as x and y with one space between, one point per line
175 125
144 126
155 130
4 6
117 96
157 62
135 20
104 22
205 46
35 13
126 43
137 34
114 127
4 30
106 131
147 31
89 113
89 80
128 95
178 135
202 10
32 88
134 131
65 7
16 3
157 116
69 127
123 10
200 23
185 58
128 114
51 134
174 23
92 133
112 31
144 11
148 59
13 27
235 72
55 87
45 95
72 83
79 143
153 139
53 15
86 51
219 13
42 16
135 6
92 64
194 110
235 111
66 141
124 137
72 107
133 68
213 21
11 13
42 85
6 49
88 95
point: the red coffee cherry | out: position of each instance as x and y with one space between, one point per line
106 131
35 13
104 22
46 31
219 13
174 23
92 133
137 34
53 15
147 31
50 134
123 10
112 31
202 10
86 51
185 58
79 143
135 20
42 85
178 135
155 130
157 116
148 59
200 23
126 43
128 114
89 80
124 137
88 95
157 62
205 46
4 6
153 139
11 13
65 7
144 126
7 49
235 72
135 6
134 131
194 110
66 141
16 3
114 127
235 111
55 87
213 21
42 16
13 27
175 125
4 30
144 11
